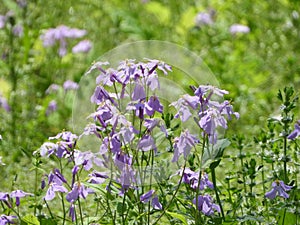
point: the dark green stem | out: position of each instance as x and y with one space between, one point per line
213 177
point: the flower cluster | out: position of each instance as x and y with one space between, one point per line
128 114
210 113
60 34
131 83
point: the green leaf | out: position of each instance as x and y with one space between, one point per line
30 219
182 218
286 218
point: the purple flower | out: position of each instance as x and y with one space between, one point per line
4 198
4 219
279 188
59 34
67 141
78 190
206 205
183 145
296 132
52 107
48 148
150 196
52 88
70 85
238 28
147 143
84 158
18 31
153 105
83 46
2 21
138 93
19 194
156 204
209 121
100 95
147 196
182 107
97 177
72 212
192 178
55 183
204 18
127 178
4 104
127 133
162 66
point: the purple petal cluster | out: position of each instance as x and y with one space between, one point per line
192 178
151 196
60 35
82 47
7 198
239 28
278 188
4 219
78 190
52 107
211 113
205 18
206 205
56 183
183 145
70 85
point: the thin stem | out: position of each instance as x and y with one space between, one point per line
123 206
80 211
213 175
64 209
49 209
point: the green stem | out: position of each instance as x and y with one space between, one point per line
123 206
52 217
213 176
80 211
64 208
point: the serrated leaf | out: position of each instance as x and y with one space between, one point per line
180 217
